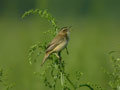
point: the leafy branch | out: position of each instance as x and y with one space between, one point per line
55 70
3 81
43 14
115 74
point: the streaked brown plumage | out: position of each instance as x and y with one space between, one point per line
57 44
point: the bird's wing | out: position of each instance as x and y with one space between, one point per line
55 42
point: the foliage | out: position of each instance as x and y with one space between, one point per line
43 14
115 74
3 81
55 70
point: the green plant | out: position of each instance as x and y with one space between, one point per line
3 81
54 72
115 74
46 15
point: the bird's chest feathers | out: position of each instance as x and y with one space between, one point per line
61 46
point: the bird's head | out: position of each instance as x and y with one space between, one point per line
64 31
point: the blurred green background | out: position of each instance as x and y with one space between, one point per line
95 32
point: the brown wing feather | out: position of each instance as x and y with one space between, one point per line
55 42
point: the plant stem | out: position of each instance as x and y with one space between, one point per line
86 85
70 82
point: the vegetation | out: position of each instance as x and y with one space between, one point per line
95 31
55 69
115 74
3 80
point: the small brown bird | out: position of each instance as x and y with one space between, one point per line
57 44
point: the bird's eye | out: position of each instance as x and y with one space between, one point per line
64 30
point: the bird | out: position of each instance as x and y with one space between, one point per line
57 44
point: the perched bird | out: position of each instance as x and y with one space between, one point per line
57 44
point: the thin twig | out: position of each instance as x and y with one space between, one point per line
86 85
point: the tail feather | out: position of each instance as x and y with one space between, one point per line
45 58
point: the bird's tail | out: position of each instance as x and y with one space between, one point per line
45 58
